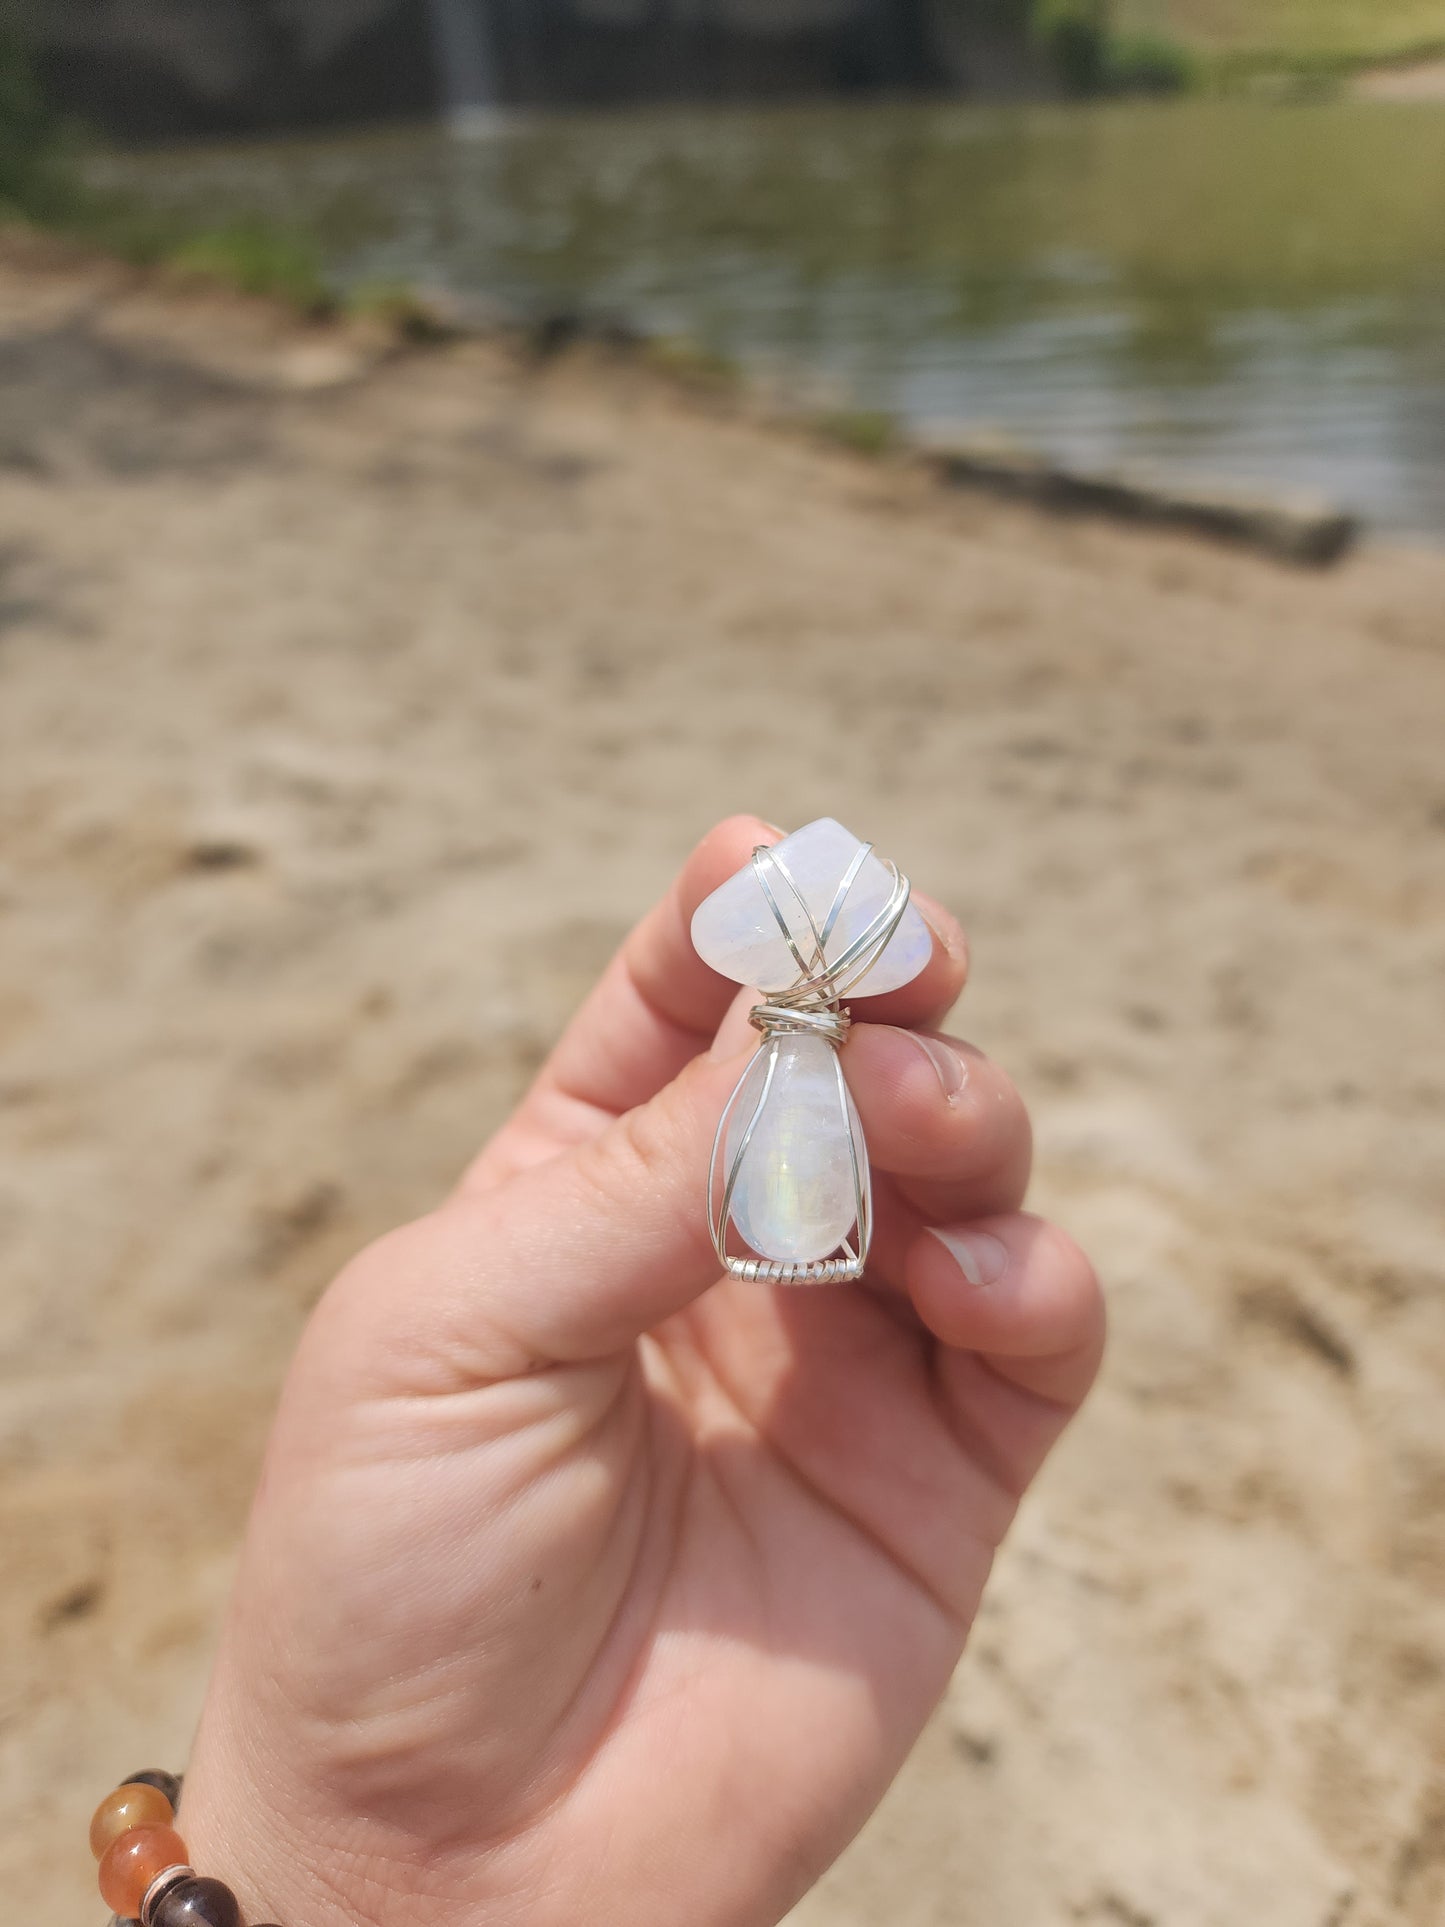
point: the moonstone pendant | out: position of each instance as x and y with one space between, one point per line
807 921
796 1196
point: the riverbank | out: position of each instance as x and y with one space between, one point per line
1322 36
352 698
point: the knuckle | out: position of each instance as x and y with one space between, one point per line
634 1157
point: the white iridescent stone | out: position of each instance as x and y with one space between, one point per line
795 1199
736 932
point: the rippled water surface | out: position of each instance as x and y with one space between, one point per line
1244 291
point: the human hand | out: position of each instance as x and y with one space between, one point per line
581 1586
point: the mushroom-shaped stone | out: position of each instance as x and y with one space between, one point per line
736 931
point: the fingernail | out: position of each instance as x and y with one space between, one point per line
776 828
982 1258
951 1069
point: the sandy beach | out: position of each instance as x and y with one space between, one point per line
1413 83
352 705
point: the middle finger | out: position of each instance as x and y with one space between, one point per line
941 1119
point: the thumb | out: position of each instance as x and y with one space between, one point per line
573 1259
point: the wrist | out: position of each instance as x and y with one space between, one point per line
238 1828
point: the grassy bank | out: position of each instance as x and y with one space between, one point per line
1123 46
1236 38
43 185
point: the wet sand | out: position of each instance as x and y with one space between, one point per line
350 709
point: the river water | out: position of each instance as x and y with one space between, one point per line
1243 291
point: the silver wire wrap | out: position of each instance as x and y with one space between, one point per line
812 1005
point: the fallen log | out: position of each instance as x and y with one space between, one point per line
1296 529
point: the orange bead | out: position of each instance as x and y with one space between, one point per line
127 1807
133 1861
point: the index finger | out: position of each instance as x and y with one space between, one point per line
924 1003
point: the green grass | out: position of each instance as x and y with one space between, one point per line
403 312
1131 46
248 254
692 364
1149 63
1093 53
864 431
1310 35
255 257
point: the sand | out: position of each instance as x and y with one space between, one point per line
1415 82
349 707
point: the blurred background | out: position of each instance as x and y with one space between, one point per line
451 451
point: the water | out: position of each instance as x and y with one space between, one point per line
1243 291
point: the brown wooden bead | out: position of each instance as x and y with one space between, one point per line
197 1903
133 1861
167 1783
132 1805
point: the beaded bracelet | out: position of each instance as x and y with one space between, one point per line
144 1876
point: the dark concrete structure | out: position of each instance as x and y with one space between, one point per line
157 69
573 50
161 69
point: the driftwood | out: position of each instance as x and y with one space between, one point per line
1295 529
